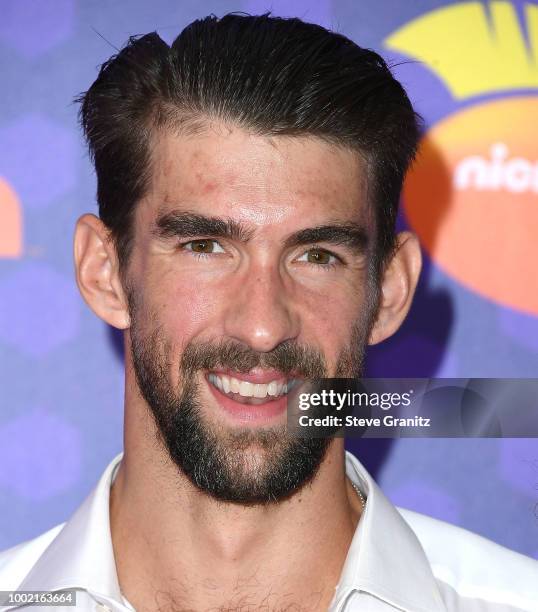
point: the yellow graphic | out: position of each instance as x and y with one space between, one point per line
474 48
10 221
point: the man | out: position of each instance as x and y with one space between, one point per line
248 182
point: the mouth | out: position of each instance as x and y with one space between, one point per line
247 392
255 397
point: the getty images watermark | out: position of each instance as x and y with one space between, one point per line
334 400
420 407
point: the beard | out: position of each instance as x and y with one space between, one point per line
247 466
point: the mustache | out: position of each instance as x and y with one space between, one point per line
289 357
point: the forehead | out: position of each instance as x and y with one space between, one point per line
226 170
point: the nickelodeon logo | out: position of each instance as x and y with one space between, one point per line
472 195
10 222
516 175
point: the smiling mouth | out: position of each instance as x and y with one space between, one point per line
245 392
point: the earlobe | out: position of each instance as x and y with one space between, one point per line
97 272
398 286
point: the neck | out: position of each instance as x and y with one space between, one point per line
177 548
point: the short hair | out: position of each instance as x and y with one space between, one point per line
270 75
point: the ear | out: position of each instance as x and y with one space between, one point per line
398 286
97 272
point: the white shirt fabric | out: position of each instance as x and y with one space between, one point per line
398 560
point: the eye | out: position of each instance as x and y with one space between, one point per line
319 256
203 246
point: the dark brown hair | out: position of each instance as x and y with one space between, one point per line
267 74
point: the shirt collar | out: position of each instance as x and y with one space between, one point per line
385 558
81 555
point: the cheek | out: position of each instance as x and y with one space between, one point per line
187 310
330 317
185 313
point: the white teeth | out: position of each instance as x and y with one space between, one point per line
234 385
246 389
260 391
272 388
228 384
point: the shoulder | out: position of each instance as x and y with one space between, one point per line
16 562
474 566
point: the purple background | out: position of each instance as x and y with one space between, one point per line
61 378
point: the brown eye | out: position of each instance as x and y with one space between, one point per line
203 246
318 256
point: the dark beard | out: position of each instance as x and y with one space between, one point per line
242 466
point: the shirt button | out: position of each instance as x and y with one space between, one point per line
100 607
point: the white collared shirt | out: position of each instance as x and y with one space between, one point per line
398 560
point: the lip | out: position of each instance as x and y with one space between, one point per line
250 414
256 375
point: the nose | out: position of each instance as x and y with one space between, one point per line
262 312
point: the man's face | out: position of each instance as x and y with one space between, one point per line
250 269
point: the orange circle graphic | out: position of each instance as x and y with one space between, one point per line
472 198
10 221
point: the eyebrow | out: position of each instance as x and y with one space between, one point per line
352 235
186 224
